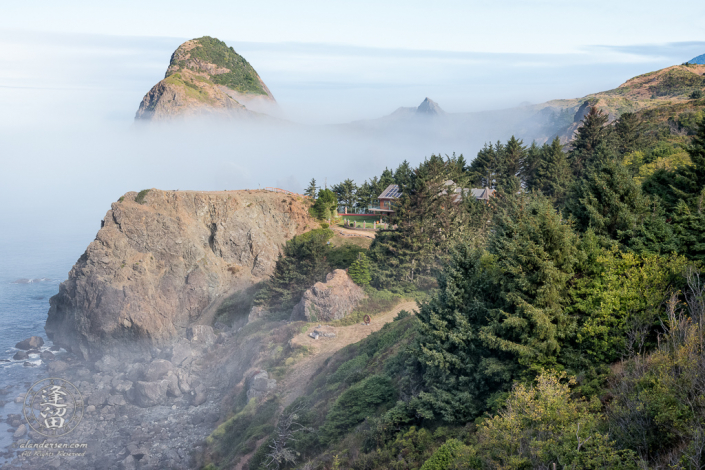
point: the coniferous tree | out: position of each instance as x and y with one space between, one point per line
531 162
311 189
403 175
689 225
607 198
326 204
691 179
552 175
302 264
429 219
359 270
630 134
499 314
386 179
486 169
512 165
593 134
346 192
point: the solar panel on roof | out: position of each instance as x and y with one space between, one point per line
392 191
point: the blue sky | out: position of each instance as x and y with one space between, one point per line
528 26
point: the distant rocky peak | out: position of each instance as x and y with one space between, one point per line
430 108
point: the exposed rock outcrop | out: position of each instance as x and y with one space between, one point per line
162 265
206 78
330 300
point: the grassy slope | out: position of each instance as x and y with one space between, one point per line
241 76
367 371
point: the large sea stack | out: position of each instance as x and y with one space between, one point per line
206 78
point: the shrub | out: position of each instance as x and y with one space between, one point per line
544 425
355 404
139 199
696 95
444 456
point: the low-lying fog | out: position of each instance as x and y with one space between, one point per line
68 148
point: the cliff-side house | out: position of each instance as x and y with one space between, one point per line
386 199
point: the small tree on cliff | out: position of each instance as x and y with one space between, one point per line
311 190
326 204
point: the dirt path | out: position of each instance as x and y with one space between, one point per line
295 383
353 233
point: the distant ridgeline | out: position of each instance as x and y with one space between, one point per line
698 60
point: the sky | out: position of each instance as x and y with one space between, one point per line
72 75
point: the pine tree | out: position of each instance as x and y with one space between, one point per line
512 165
312 188
326 204
386 179
302 264
429 219
689 226
359 270
593 133
403 175
346 192
552 175
691 179
607 199
499 314
630 133
486 169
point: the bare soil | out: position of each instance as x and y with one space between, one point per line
322 348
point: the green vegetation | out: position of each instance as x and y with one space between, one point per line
676 82
139 199
325 207
192 90
360 270
561 324
241 76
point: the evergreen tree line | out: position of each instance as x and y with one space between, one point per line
575 265
360 198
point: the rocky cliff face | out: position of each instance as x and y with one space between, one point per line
158 266
206 78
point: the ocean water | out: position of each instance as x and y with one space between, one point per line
24 307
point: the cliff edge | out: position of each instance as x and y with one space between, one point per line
163 260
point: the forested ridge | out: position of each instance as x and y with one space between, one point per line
560 324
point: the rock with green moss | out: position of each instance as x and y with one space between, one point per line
206 78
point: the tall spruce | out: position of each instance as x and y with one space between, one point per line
311 189
430 217
593 134
607 199
486 169
552 175
630 134
499 314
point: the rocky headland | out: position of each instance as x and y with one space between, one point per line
206 78
163 261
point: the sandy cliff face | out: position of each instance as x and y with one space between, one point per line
157 267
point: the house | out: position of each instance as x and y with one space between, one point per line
385 200
393 192
482 194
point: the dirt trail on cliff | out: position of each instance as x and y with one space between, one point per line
295 383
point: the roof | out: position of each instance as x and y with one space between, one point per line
392 192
